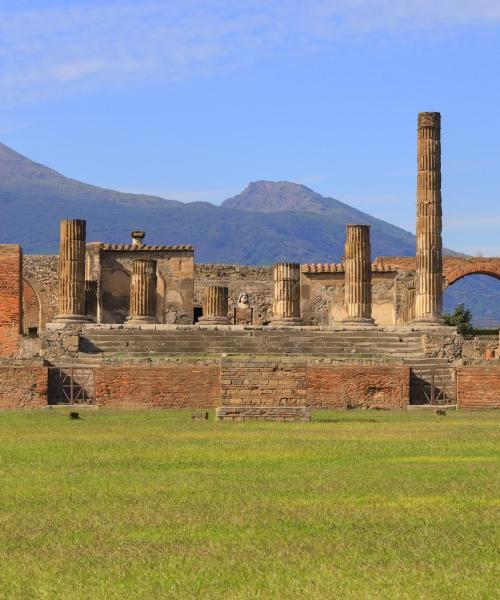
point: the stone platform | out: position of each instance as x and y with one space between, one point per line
263 413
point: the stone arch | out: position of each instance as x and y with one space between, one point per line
457 268
34 315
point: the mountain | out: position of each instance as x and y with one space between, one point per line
268 222
298 225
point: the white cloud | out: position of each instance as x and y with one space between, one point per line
63 49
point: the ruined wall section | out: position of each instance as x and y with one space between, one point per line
11 285
40 273
323 301
256 282
110 265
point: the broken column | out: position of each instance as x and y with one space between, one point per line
215 305
72 271
286 303
358 276
143 292
429 264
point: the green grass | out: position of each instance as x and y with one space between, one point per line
155 505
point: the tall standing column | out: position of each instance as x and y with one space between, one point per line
286 304
143 292
358 275
215 305
429 265
72 271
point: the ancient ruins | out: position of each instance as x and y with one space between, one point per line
136 325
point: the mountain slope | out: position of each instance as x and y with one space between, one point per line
267 222
306 227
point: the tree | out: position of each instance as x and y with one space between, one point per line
460 318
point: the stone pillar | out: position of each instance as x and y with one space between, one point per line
286 304
72 271
358 276
429 264
215 305
143 292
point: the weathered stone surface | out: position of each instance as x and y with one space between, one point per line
72 271
215 305
286 302
143 292
429 261
263 413
358 275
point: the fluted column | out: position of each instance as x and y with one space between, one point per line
286 303
215 305
72 234
429 264
143 292
358 275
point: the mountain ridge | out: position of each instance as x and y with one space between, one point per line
267 222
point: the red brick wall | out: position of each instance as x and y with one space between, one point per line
23 387
288 382
179 385
10 298
357 386
478 387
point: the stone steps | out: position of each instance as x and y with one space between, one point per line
155 343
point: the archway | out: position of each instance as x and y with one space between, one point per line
32 311
479 292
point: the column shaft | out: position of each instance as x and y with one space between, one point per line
358 275
72 271
286 304
143 291
215 305
429 261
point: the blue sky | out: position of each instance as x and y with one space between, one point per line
192 99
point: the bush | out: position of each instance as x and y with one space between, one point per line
460 318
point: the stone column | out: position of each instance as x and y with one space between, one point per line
215 305
143 292
429 265
72 271
286 304
358 276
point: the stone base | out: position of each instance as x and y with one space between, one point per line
430 322
71 319
286 322
361 322
262 413
214 321
136 320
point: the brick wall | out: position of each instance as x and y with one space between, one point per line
263 382
23 386
179 385
353 386
479 387
10 299
289 382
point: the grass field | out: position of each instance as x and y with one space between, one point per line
155 505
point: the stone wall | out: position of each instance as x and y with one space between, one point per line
256 282
110 265
40 275
10 299
322 298
356 386
194 384
446 343
263 382
23 386
479 387
276 381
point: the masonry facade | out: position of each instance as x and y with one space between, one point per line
134 325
